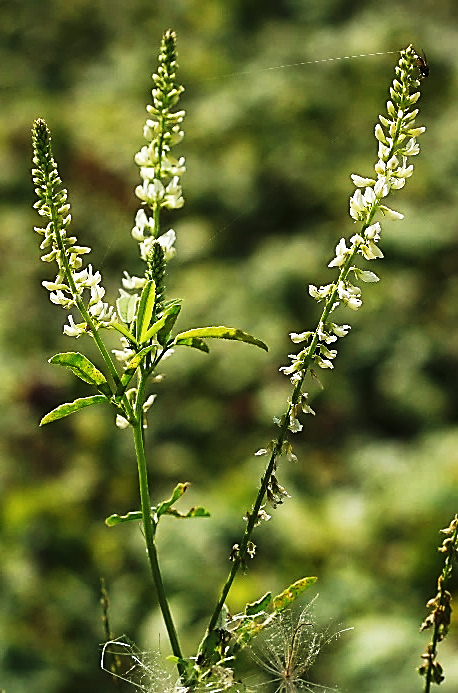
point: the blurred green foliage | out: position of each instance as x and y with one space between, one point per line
269 152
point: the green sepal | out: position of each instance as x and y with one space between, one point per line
71 407
131 368
83 369
127 307
291 593
145 310
254 608
219 332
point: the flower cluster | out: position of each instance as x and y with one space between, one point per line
160 173
396 135
159 170
68 287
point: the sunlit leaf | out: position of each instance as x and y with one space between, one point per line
71 407
291 593
220 332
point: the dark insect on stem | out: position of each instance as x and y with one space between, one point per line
423 66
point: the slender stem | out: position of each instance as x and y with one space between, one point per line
150 530
252 521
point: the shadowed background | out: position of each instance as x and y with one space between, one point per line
269 153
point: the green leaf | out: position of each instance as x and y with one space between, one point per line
127 307
131 368
145 310
136 515
249 627
71 407
165 324
123 330
291 593
254 608
83 369
196 511
115 519
178 491
220 332
194 342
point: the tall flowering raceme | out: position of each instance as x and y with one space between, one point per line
396 135
68 287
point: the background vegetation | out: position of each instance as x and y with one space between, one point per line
269 153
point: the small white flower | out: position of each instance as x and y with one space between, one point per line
329 353
121 422
322 363
373 232
173 198
320 293
382 187
361 182
133 283
167 241
370 251
342 252
365 275
339 330
295 425
379 134
391 213
59 299
297 338
151 193
74 330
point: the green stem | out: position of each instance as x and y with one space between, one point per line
251 523
150 529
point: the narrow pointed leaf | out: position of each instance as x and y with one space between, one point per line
260 605
136 515
176 494
220 332
123 330
291 593
164 325
71 407
115 519
195 511
145 309
193 342
83 369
